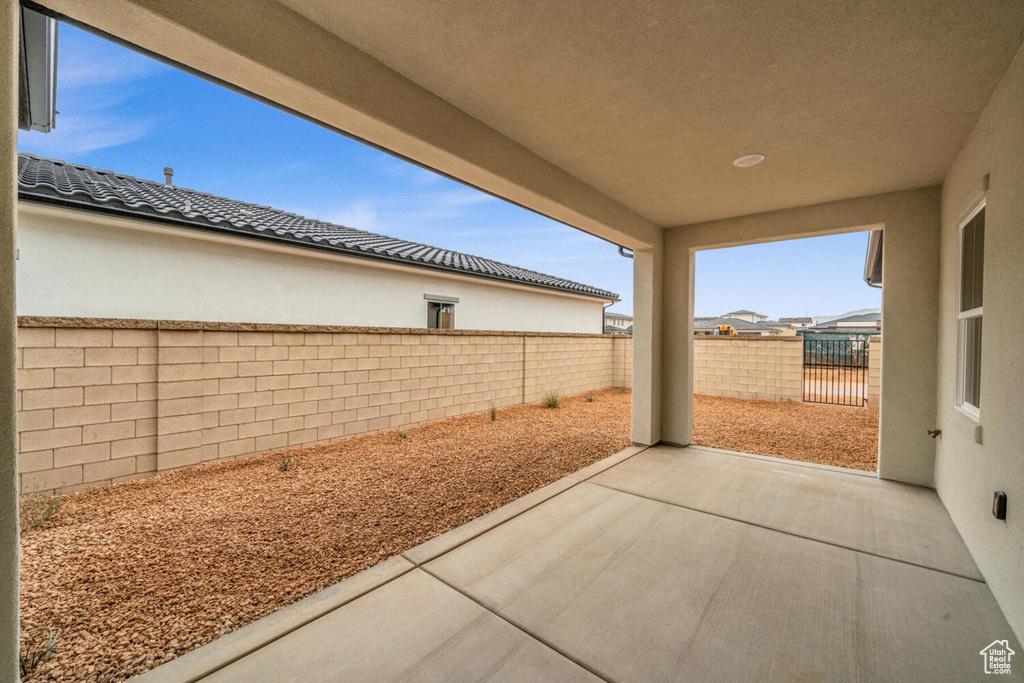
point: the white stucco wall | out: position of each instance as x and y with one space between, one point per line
967 473
77 264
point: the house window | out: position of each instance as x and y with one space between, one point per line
440 315
972 277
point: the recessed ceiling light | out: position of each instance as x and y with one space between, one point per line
748 160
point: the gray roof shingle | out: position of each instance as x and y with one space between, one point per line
57 182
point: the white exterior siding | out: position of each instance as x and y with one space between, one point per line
72 263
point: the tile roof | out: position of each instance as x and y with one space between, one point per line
57 182
795 320
744 311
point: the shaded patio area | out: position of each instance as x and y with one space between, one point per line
657 564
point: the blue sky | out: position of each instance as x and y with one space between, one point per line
122 111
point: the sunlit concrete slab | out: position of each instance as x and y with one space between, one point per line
899 521
412 629
585 581
641 590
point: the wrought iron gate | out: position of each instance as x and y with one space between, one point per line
836 371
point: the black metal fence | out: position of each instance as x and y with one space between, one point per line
836 371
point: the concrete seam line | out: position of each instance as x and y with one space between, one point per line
786 461
509 621
788 533
642 449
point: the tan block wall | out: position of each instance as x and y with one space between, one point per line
622 348
87 406
567 365
761 368
99 405
874 372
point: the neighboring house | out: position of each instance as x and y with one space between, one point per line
782 328
749 316
617 323
796 322
709 326
101 244
859 322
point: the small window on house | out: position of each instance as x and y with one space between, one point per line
440 315
972 276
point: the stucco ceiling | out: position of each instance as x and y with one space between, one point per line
650 102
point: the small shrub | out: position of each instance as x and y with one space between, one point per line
39 508
286 464
32 653
401 433
590 398
551 399
494 413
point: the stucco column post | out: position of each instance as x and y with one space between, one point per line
647 307
8 349
677 340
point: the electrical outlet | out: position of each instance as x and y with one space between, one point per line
999 505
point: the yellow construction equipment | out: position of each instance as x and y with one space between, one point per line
726 330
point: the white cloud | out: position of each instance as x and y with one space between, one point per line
95 81
360 215
80 135
88 61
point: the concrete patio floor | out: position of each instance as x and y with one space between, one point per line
658 564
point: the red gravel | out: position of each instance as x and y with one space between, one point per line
138 573
844 436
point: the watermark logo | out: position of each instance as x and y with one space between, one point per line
997 657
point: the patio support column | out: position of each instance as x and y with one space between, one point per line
677 338
8 347
647 305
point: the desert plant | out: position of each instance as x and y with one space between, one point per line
494 413
551 399
590 398
401 433
32 653
39 508
286 464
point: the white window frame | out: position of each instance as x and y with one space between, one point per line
972 411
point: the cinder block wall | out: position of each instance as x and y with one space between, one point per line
622 348
102 401
568 365
874 372
761 368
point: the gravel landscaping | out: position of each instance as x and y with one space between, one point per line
844 436
138 573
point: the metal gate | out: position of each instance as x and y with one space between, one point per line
836 371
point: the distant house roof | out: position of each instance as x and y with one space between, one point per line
737 323
56 182
861 318
745 312
617 316
795 321
609 329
